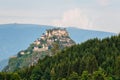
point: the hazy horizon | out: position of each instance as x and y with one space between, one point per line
57 26
101 15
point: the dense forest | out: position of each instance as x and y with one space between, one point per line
94 59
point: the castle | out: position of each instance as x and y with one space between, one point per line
51 36
47 39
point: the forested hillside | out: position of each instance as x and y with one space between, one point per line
51 41
16 37
92 60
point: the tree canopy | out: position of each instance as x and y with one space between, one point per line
92 60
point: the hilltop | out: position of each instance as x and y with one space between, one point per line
94 59
48 44
58 35
17 37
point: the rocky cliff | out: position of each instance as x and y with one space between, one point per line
48 44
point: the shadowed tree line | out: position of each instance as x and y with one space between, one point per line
92 60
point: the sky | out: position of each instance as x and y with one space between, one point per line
103 15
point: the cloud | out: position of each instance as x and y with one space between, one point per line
24 17
74 17
103 2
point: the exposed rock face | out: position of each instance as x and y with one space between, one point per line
40 48
60 36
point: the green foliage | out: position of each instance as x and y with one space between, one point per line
74 76
90 63
9 76
85 76
55 48
117 66
98 75
92 60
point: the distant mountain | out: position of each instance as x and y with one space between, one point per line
17 37
82 35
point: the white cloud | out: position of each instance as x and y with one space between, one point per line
24 17
74 17
103 2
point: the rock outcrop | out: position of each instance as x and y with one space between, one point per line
40 48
